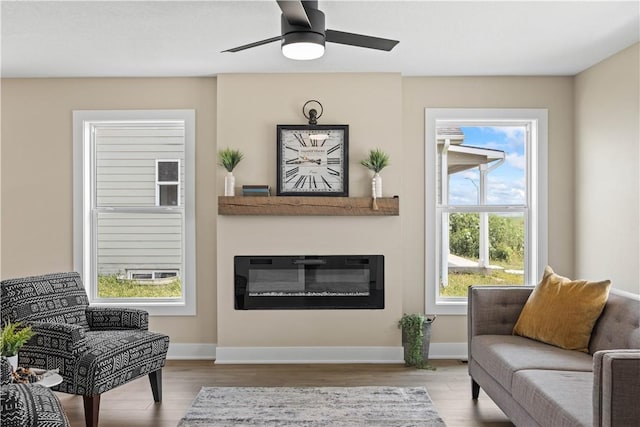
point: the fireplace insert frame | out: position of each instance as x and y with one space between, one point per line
371 299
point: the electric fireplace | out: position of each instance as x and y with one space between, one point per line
306 282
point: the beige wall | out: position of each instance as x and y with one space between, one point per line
607 239
382 110
418 93
37 173
249 108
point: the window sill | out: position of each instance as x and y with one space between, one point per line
453 308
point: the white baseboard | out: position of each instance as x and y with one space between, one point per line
198 351
272 355
266 355
448 350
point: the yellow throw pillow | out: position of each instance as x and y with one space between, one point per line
562 312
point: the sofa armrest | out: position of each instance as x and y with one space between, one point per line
63 339
616 387
103 318
54 345
494 310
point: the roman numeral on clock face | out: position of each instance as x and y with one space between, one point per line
300 139
292 149
332 149
333 172
333 160
291 173
326 183
300 182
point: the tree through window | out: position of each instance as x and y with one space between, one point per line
482 196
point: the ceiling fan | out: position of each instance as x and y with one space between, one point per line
304 33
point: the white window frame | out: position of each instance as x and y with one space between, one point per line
161 183
536 221
84 249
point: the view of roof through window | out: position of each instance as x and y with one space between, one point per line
502 150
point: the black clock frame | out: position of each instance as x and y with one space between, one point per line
345 160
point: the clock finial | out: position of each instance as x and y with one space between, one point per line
312 114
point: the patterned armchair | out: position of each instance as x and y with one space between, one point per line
28 405
96 349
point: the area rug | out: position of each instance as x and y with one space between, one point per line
312 407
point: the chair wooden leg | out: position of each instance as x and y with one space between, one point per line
91 410
475 389
155 378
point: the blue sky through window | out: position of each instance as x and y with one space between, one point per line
506 183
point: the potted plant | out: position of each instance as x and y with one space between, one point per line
12 338
416 336
229 159
376 161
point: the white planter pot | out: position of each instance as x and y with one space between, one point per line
229 184
376 185
13 361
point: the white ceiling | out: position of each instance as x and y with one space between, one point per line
437 38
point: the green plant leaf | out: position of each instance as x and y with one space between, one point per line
412 328
229 158
13 337
376 161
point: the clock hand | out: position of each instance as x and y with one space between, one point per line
304 159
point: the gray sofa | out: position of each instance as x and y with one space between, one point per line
536 384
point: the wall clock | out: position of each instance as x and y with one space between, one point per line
313 160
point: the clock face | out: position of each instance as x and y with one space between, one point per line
313 160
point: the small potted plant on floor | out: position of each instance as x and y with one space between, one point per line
229 159
416 336
12 338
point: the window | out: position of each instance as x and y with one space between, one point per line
134 210
485 202
151 275
167 182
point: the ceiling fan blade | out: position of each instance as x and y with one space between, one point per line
254 44
295 12
360 40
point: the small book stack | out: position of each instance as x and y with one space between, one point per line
256 190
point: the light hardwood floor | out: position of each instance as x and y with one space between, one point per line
132 405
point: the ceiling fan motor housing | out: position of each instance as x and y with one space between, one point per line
300 34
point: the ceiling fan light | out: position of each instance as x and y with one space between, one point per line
303 51
303 45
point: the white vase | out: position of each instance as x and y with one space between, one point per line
377 185
13 361
229 184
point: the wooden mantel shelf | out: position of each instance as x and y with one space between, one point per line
296 205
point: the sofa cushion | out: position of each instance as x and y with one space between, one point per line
555 398
503 355
563 312
114 358
618 325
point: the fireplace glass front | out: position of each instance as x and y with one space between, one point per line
309 282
